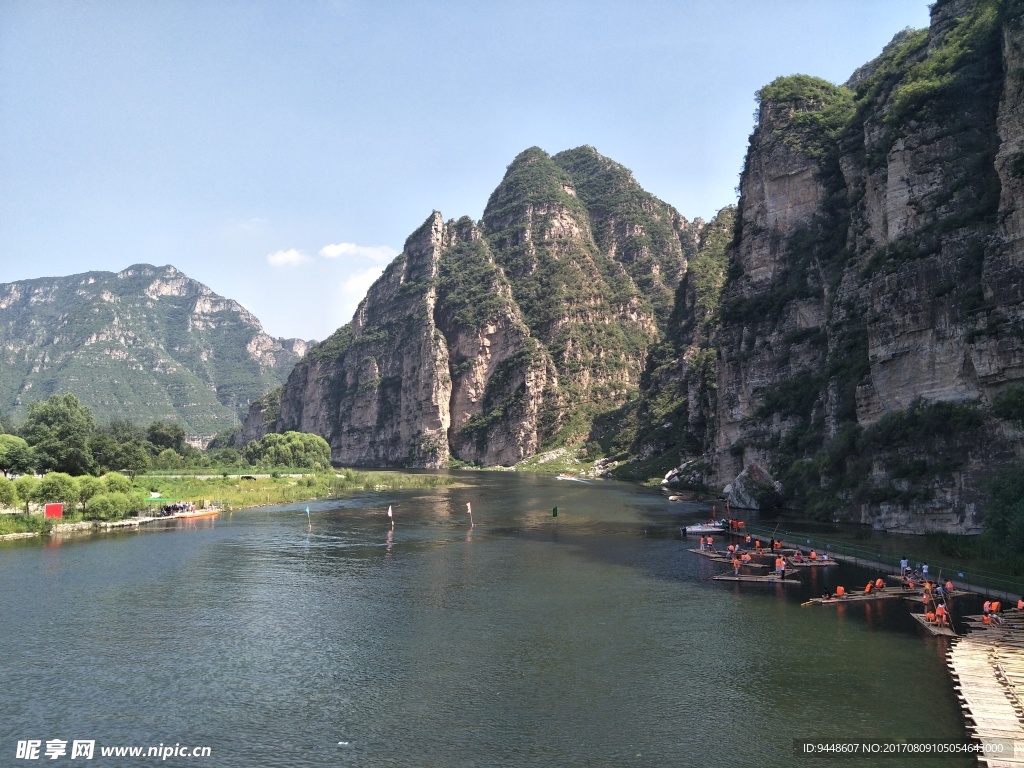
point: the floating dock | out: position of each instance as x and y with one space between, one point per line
135 522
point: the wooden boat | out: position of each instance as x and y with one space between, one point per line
212 512
935 629
766 579
712 526
720 557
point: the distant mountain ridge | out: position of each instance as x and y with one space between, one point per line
145 343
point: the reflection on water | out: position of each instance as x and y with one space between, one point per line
591 638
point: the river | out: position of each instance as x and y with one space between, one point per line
592 638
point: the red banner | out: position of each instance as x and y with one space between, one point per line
53 510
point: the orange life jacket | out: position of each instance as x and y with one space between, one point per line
879 583
813 555
840 591
996 607
930 616
868 587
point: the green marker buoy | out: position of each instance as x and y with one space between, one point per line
554 511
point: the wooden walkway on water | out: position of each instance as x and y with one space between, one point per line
987 666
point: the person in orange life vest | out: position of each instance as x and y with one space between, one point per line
986 607
840 592
782 566
736 566
996 607
1020 604
732 548
940 615
868 587
757 545
949 587
986 619
711 545
746 557
879 583
930 617
813 555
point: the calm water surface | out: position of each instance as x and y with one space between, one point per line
591 639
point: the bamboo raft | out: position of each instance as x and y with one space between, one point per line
810 563
718 557
935 629
766 579
862 597
988 673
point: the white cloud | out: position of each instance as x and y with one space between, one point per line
357 284
353 288
351 250
290 258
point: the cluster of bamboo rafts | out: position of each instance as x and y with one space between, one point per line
987 666
762 559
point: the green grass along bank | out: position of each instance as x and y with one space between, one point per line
20 517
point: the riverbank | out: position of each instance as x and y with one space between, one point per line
90 526
228 492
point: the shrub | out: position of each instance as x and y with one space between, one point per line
115 482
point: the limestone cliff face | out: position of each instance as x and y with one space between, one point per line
485 340
436 363
383 399
875 282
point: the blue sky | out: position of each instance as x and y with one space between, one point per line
281 152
